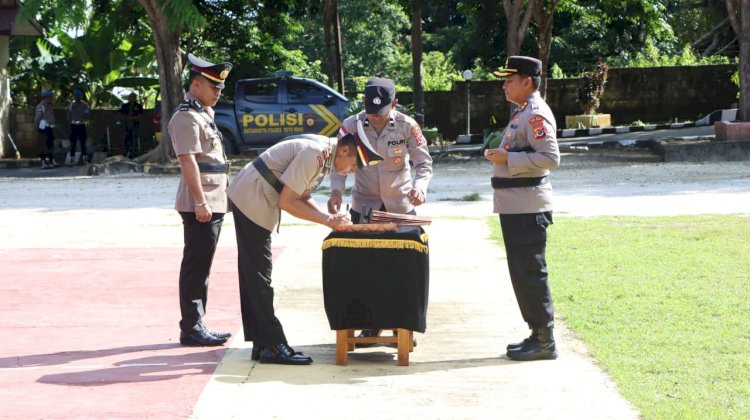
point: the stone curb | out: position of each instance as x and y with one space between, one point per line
719 115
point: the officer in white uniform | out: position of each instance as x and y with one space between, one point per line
523 199
281 178
201 195
398 138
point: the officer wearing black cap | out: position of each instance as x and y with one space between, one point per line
281 178
398 138
201 195
523 199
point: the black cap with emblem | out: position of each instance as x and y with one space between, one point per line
519 64
215 73
379 93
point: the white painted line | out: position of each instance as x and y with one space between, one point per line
22 368
595 131
622 129
569 132
199 363
142 364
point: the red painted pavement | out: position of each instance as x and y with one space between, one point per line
94 333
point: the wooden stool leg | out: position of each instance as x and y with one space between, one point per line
411 341
341 347
350 334
403 347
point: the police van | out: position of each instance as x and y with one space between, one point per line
266 110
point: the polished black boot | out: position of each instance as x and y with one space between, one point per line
540 346
255 355
516 346
282 354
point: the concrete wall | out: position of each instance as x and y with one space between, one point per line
652 95
30 143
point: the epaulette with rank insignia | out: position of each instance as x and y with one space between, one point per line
190 103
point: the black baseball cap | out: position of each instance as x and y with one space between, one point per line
379 93
519 64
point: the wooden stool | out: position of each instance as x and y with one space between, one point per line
346 342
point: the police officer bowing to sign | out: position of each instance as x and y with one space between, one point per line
201 195
523 198
281 178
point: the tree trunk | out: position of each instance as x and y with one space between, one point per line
416 57
169 61
337 34
544 17
328 31
744 39
4 112
518 23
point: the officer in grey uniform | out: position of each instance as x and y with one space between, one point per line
201 195
523 199
398 138
44 119
78 113
281 178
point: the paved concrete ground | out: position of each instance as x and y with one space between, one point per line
457 370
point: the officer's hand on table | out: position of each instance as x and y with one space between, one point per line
415 197
497 156
336 220
334 203
203 213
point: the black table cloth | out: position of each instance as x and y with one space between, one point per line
376 280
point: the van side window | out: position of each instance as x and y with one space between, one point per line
305 93
261 92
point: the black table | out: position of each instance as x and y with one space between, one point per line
376 280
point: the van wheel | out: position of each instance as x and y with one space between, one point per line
228 142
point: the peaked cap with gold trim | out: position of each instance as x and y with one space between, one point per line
519 64
215 73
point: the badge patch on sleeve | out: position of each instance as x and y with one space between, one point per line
416 132
537 124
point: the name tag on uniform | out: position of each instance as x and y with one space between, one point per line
395 151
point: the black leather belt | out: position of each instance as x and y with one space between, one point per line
266 173
518 182
213 168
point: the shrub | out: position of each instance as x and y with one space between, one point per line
593 88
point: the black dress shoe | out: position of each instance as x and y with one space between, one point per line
222 335
516 346
255 355
200 338
282 354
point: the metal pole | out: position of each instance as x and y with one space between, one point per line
468 107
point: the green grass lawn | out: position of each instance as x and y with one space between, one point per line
663 303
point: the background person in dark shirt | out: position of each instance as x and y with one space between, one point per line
130 116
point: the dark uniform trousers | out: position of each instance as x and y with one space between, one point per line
49 142
78 133
254 264
197 257
525 237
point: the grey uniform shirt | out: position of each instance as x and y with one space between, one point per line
388 182
78 112
531 125
44 112
193 131
297 163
